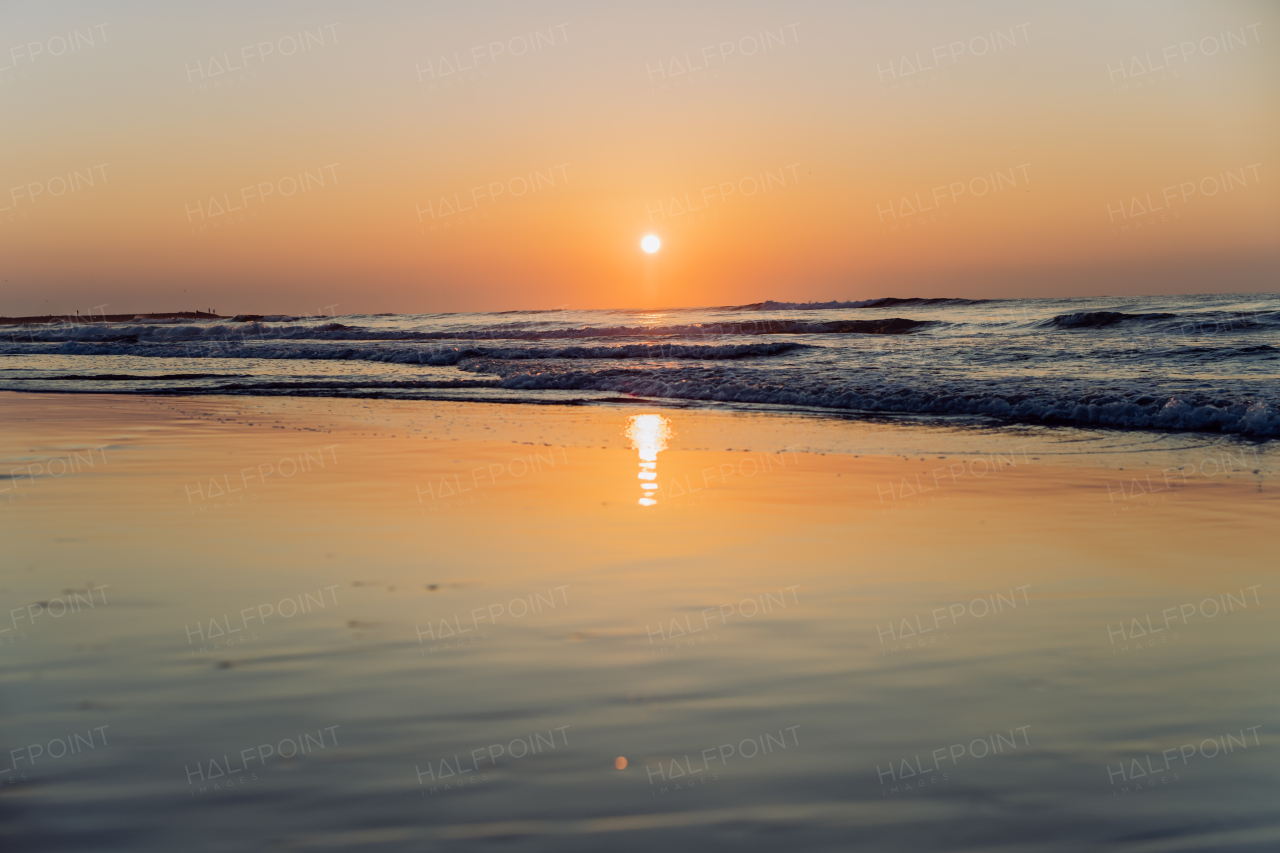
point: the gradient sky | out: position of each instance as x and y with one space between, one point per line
1094 114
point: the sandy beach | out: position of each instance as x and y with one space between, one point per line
389 624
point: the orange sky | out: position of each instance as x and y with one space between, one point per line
308 155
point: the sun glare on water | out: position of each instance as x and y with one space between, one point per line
649 435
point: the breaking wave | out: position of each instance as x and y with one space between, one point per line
433 356
1130 410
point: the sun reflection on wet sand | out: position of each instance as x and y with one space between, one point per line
649 434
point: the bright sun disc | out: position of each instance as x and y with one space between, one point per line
650 244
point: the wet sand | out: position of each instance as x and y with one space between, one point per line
355 624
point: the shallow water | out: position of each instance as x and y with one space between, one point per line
465 616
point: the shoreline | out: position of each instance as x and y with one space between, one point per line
956 424
1161 461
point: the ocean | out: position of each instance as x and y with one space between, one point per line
1187 363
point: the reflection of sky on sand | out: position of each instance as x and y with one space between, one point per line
859 693
650 435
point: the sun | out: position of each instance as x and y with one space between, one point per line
651 244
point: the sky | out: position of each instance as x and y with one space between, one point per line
363 157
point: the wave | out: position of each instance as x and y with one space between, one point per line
1110 361
882 302
1131 410
1094 319
436 356
886 326
1246 415
1206 322
765 326
246 332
